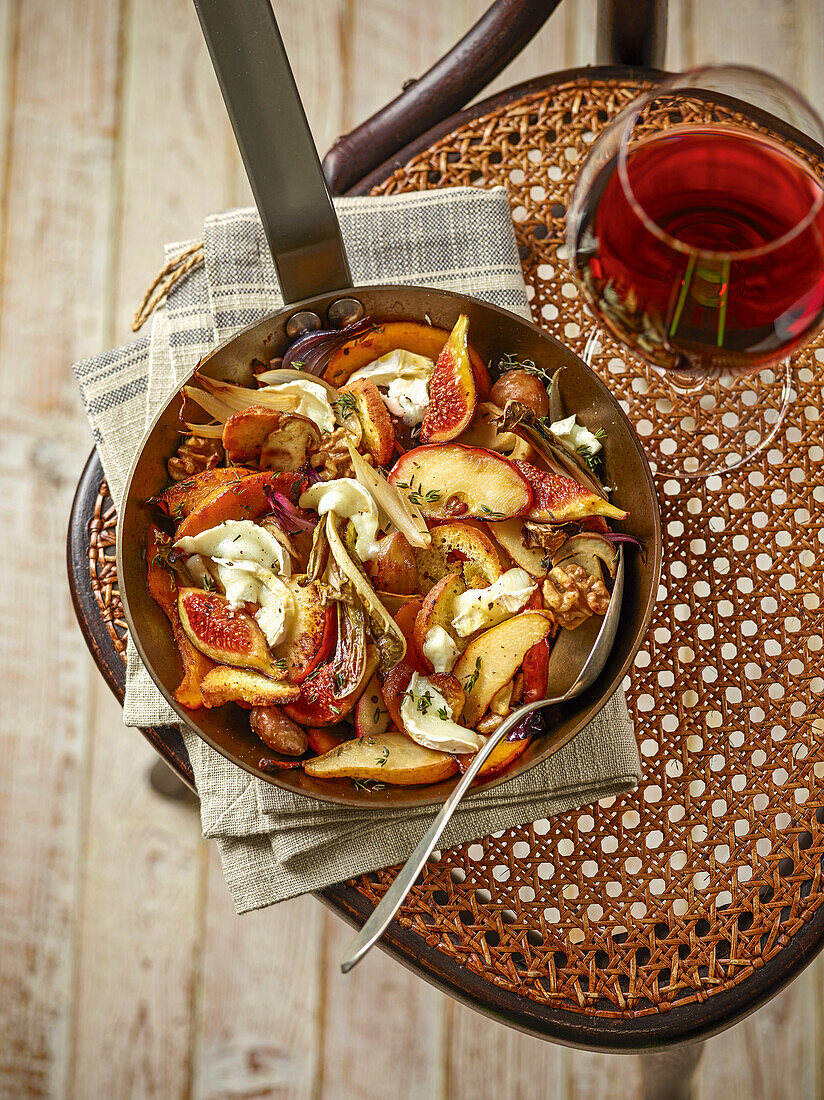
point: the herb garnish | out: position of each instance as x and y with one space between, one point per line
512 362
384 757
367 785
425 702
419 496
345 405
472 680
592 457
490 514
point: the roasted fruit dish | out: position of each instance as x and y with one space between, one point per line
376 550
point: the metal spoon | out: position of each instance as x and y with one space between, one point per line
392 900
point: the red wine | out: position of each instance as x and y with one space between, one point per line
677 280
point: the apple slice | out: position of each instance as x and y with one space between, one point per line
536 669
558 499
420 339
448 481
389 758
492 659
376 423
396 680
452 393
371 715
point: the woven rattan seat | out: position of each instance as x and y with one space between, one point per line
672 909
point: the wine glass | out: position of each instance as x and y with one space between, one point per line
696 235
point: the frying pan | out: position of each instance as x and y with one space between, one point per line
304 237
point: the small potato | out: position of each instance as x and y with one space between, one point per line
521 386
393 569
280 733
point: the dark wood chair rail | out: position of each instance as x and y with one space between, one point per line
630 32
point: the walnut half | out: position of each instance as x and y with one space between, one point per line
331 456
194 455
572 595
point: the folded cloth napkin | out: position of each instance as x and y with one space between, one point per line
275 844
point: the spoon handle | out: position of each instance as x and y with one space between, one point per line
391 901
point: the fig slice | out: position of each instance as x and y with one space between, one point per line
557 499
227 636
452 392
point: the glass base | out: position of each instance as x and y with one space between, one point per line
696 429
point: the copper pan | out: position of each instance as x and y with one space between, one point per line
303 233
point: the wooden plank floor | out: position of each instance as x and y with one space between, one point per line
123 970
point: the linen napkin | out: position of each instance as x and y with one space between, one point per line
275 844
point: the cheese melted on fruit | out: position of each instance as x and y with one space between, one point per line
313 402
407 377
478 608
429 720
348 499
248 560
439 649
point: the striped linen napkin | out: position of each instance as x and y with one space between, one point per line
275 844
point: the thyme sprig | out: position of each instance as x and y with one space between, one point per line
345 404
593 458
472 679
420 495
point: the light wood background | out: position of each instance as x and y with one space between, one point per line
124 972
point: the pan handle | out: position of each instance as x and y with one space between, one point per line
276 145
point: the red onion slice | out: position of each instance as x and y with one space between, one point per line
288 516
311 352
529 726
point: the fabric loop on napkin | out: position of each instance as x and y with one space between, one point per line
275 844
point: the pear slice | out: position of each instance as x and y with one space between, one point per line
492 659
